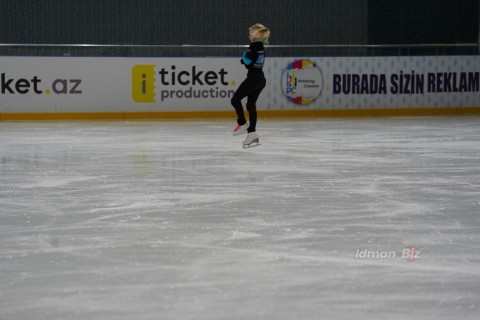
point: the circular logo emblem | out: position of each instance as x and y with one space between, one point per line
302 82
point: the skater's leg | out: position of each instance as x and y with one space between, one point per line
242 91
237 105
252 116
252 107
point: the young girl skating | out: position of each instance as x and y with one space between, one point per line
253 59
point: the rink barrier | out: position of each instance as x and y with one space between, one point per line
95 88
192 115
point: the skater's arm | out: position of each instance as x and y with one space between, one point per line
250 56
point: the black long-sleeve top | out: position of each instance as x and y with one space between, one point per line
253 59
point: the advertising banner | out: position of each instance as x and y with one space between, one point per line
376 82
67 84
71 84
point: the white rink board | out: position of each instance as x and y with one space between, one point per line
96 84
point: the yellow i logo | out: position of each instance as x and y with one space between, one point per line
143 83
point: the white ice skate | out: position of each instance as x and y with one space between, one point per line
252 140
240 129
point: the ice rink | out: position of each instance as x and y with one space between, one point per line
174 220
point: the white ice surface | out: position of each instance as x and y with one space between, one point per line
174 220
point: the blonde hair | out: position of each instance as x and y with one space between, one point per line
259 32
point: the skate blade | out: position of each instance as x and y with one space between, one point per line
239 134
254 143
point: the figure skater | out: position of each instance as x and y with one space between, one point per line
253 59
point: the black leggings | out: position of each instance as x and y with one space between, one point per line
250 88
